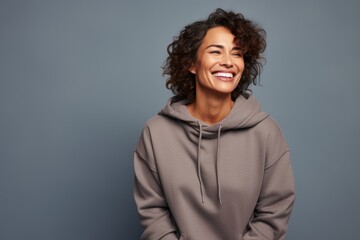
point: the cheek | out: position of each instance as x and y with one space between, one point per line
199 66
207 63
241 65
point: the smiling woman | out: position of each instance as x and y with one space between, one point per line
219 62
217 69
212 165
183 51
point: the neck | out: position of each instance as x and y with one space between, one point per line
211 110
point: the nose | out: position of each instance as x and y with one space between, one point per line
226 60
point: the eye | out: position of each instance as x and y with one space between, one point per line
238 54
215 52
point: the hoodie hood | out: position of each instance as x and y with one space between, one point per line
245 113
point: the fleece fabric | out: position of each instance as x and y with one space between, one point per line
228 181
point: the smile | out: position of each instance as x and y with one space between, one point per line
223 74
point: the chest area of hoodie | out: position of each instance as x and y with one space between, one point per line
234 162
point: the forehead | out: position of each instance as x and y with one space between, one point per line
219 35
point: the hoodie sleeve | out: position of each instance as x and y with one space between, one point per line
155 216
274 206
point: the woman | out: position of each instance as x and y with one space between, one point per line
212 165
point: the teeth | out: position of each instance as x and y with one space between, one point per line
223 74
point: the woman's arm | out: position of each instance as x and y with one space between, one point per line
275 203
155 216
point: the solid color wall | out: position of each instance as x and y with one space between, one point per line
78 79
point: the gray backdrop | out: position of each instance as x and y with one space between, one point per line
78 79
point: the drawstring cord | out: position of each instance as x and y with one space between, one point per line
217 165
199 164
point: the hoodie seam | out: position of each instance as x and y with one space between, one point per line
277 160
147 163
282 140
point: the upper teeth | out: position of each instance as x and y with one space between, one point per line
223 74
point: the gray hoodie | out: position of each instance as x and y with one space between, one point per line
229 181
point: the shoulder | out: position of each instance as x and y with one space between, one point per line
159 122
270 127
276 144
155 126
144 147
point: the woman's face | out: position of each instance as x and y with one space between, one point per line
219 64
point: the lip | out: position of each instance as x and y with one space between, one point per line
224 79
224 71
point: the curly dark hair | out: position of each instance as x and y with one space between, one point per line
183 52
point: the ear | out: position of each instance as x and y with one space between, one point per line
192 69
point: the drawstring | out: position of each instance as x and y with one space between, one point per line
199 164
217 165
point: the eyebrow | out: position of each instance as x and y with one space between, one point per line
222 47
214 45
